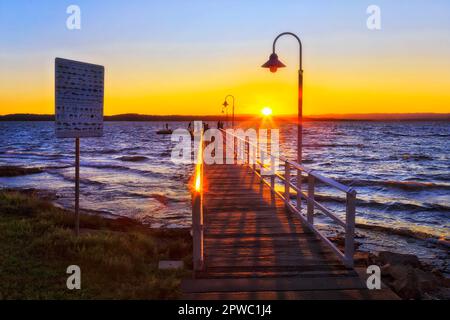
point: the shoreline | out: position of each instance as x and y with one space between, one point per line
412 237
14 171
436 240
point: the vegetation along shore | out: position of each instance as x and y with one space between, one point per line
118 257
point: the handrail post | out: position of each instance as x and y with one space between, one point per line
272 183
197 211
261 165
225 146
311 187
197 230
299 190
287 180
236 149
254 158
247 145
272 171
350 228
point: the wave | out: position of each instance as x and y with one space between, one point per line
333 145
71 178
105 166
111 151
166 153
161 198
413 157
391 205
398 134
435 239
88 165
102 151
145 173
434 207
404 185
35 154
132 158
58 167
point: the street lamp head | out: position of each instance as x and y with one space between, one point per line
274 63
225 104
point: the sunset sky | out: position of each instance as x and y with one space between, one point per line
183 57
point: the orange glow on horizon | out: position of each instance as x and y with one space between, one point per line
329 88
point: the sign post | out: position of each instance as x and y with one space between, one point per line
79 96
77 186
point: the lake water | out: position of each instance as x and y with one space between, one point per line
399 169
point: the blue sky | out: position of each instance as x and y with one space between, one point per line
26 24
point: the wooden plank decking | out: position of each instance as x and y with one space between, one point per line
256 249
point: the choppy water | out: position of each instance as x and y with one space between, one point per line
400 169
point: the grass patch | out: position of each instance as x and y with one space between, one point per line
118 258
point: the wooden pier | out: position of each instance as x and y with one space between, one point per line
250 244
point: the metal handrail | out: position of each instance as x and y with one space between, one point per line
348 224
197 209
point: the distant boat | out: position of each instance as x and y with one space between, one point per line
164 131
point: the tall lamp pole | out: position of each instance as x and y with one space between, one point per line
225 104
273 64
225 112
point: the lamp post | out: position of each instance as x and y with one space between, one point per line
225 112
225 104
273 64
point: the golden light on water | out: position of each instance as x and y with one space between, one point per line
266 111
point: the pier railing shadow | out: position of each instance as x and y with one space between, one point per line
253 157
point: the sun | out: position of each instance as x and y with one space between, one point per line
266 111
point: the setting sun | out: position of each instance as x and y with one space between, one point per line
266 111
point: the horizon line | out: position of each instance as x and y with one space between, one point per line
243 117
252 114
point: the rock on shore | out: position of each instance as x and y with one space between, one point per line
14 171
407 276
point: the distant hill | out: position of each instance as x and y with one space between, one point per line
326 117
119 117
27 117
144 117
384 116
